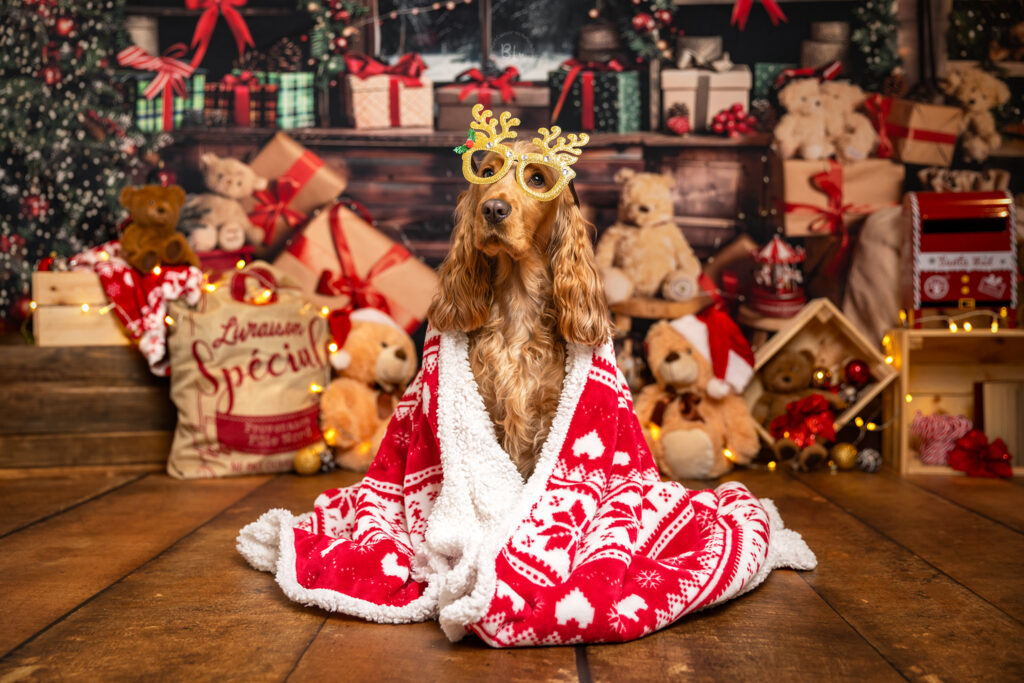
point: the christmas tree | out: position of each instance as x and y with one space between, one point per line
875 54
67 145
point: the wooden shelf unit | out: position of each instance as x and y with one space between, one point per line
938 369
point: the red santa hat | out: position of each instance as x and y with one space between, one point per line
340 324
717 338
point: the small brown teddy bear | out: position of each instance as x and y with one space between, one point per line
849 132
694 421
151 239
801 131
977 92
375 360
645 253
220 220
786 379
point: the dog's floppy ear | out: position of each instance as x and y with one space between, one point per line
463 297
576 287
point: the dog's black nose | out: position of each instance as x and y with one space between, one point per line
496 210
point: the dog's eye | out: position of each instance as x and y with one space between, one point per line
537 180
487 173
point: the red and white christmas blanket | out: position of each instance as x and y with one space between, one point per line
593 547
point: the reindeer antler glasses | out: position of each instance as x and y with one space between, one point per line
484 137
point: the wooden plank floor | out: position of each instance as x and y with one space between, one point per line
127 575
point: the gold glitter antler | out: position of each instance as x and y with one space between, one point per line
565 153
485 122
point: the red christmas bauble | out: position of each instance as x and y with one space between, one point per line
680 125
857 372
342 15
65 27
166 177
46 263
23 307
50 74
340 43
663 16
643 23
35 206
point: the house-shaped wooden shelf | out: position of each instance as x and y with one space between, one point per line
821 329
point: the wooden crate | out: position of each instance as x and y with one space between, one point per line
937 369
825 332
75 406
71 311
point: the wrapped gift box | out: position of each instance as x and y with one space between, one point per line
296 96
386 101
339 259
704 92
301 184
531 105
923 133
864 187
607 101
149 113
241 102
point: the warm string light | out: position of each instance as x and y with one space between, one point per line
315 388
169 320
85 308
157 270
324 312
332 347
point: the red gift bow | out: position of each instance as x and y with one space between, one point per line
208 20
170 75
830 219
587 68
241 85
484 84
741 11
360 290
407 71
273 204
878 107
825 73
804 421
264 278
976 457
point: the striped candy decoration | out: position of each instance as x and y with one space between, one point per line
938 433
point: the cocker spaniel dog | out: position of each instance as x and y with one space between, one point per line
521 281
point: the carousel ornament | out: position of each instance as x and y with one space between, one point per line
778 281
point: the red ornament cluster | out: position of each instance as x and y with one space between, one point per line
734 122
35 206
643 22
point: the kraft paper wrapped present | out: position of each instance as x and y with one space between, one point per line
301 183
822 196
705 92
595 96
529 102
341 261
923 133
382 96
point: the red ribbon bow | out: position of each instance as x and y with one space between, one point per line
407 71
360 290
241 87
830 219
741 11
879 107
208 20
273 204
804 421
575 68
170 75
476 81
976 457
825 73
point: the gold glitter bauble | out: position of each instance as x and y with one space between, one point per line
307 461
821 377
844 455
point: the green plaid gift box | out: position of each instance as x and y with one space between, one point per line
262 108
149 114
296 97
216 105
616 100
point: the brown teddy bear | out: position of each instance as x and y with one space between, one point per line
218 218
151 239
645 252
977 92
849 132
375 359
801 130
694 420
787 379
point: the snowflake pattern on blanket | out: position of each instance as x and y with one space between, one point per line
593 547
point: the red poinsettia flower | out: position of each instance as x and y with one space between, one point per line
976 457
805 421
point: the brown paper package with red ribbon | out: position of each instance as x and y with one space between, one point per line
923 133
341 261
300 184
245 362
528 102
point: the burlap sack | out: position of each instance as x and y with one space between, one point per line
244 363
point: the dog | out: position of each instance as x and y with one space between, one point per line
520 280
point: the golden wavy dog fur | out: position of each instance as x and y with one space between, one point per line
520 280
